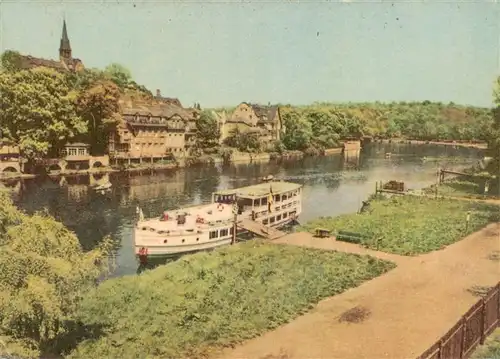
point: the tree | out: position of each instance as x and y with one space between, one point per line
43 275
98 105
84 79
207 130
119 74
494 133
37 111
298 133
247 141
10 61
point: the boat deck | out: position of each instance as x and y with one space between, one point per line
208 212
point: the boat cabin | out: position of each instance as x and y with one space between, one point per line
262 199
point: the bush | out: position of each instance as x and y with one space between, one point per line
209 300
410 225
43 274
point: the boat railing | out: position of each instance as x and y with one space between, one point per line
187 231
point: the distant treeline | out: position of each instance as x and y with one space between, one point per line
322 125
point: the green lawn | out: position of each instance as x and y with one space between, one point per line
490 349
411 225
211 300
463 186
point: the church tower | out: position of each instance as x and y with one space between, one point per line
65 47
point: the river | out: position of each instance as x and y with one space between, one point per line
333 185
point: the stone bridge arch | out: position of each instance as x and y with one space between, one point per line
99 162
10 166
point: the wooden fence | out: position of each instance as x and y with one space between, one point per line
470 331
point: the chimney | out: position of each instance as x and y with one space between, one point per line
158 93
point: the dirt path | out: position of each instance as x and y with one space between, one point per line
409 308
305 239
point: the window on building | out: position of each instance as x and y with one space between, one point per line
81 151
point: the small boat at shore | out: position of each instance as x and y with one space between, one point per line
103 187
208 226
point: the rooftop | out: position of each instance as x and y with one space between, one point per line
261 189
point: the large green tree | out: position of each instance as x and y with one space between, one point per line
37 111
207 130
43 275
299 132
98 105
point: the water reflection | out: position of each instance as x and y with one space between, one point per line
332 185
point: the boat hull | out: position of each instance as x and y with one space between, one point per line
166 251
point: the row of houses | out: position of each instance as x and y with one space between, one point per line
153 129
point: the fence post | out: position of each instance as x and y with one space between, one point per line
498 304
483 321
464 334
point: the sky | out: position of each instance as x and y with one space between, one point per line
221 53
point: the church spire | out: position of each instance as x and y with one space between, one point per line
65 47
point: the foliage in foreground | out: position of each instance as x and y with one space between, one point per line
410 225
209 300
490 349
43 273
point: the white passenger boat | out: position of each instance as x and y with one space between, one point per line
208 226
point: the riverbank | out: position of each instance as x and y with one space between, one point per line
235 158
468 144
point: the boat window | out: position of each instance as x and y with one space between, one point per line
285 215
263 201
272 220
152 229
277 198
161 232
183 240
284 197
231 230
213 234
224 232
165 241
244 202
197 239
278 218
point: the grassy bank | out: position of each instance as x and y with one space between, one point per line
468 187
490 349
411 225
210 300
